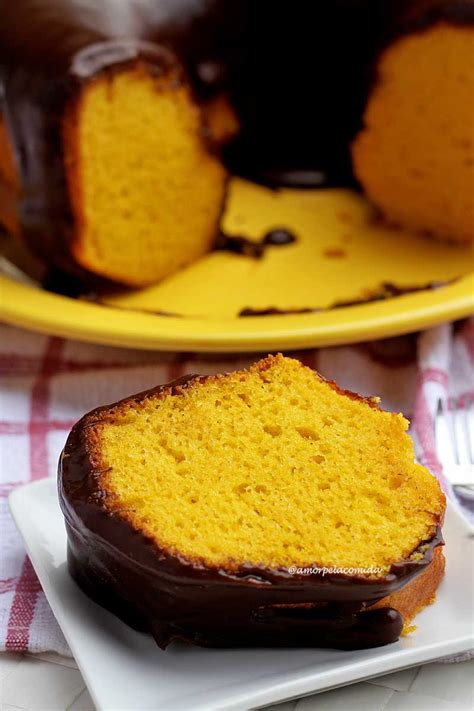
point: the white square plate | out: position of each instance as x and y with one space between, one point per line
124 669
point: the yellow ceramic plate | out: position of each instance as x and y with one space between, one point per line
342 254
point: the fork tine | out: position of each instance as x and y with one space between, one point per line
454 430
446 411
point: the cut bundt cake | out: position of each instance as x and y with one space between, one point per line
118 174
262 507
118 121
415 154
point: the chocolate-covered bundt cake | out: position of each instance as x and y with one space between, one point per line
263 507
108 161
119 121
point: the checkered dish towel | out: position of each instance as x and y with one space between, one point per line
48 383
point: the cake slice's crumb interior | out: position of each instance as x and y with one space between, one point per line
272 466
145 187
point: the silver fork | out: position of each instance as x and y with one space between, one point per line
454 432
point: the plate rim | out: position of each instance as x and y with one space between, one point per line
37 310
409 658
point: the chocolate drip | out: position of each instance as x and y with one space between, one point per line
238 244
274 311
386 290
173 597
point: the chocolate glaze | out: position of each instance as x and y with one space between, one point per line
386 290
238 244
60 282
174 597
407 16
275 311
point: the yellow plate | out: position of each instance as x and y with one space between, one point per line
342 253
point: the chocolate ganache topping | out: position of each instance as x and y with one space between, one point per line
175 598
239 244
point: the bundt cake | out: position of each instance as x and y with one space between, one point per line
102 143
119 121
262 507
415 155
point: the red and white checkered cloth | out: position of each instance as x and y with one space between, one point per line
46 384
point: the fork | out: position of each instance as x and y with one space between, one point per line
454 433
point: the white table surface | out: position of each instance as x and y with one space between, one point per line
47 682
